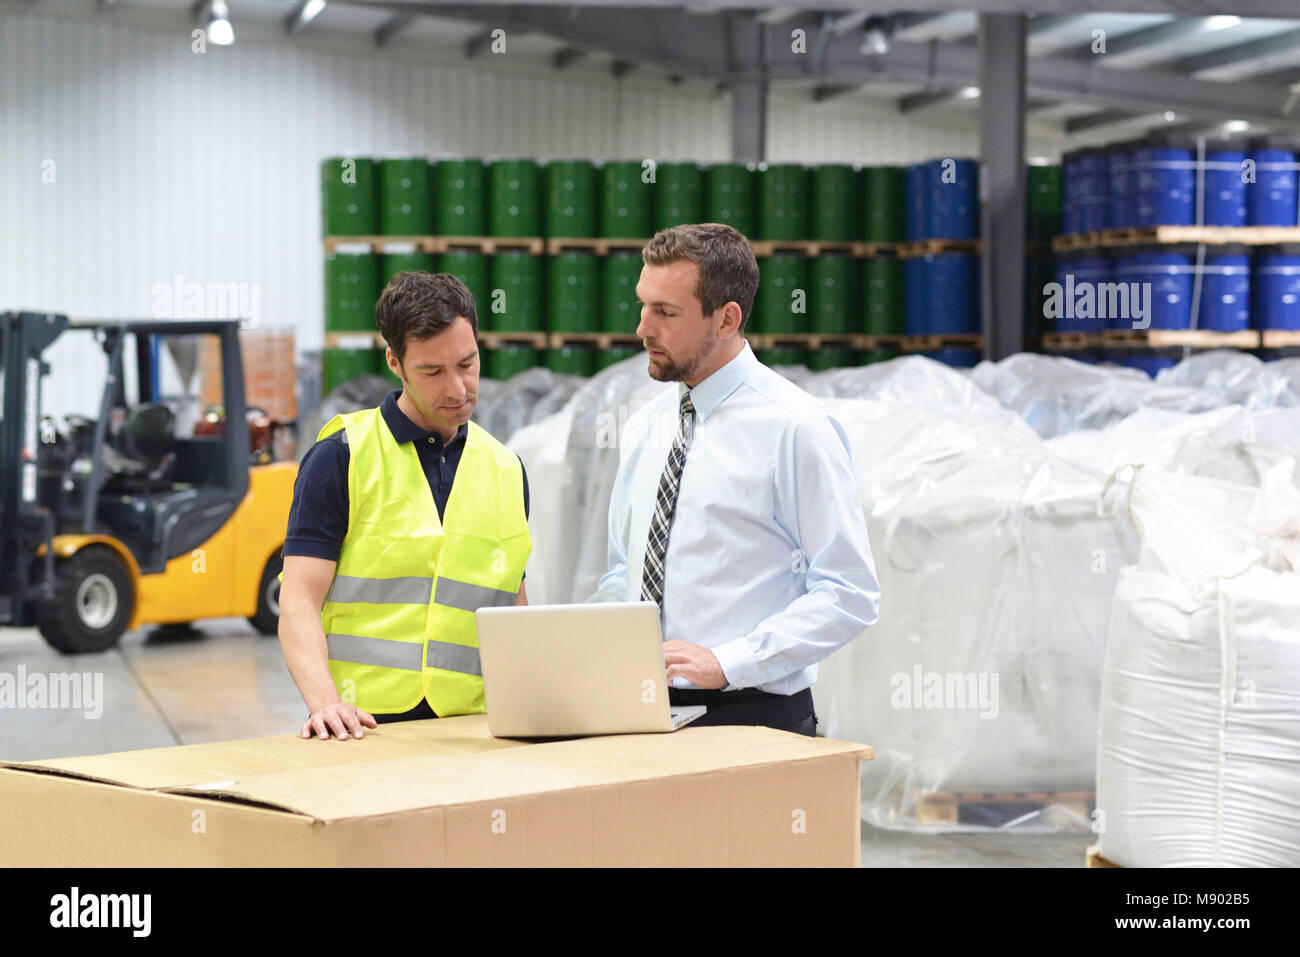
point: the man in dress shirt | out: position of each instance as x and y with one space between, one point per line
735 505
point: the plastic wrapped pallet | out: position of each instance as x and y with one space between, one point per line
1199 745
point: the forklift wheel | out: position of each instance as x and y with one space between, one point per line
267 619
92 604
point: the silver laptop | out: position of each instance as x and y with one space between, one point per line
565 670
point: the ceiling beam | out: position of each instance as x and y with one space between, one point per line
1287 41
566 57
700 40
1283 9
922 101
832 90
390 28
1092 121
1044 22
1172 31
303 14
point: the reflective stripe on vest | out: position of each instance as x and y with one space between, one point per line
381 591
404 655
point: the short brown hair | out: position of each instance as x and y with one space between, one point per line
728 271
418 305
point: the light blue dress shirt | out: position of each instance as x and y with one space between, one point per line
768 564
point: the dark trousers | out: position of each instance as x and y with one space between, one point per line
785 712
421 710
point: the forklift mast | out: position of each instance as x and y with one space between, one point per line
25 523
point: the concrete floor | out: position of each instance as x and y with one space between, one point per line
226 682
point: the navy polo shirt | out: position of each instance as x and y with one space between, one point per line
318 518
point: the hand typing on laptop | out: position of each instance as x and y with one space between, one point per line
695 663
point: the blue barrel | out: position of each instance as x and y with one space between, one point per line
916 219
1150 364
1119 203
1069 193
1225 187
1275 287
1169 271
952 294
957 357
1080 277
1164 181
916 300
1094 186
1272 199
1225 289
952 198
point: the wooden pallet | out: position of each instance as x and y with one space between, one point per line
994 808
601 247
355 244
807 247
355 340
1180 338
933 247
487 245
494 340
1069 241
876 250
802 340
601 340
1093 858
931 343
1067 341
1280 338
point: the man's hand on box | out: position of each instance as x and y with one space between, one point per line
345 720
694 663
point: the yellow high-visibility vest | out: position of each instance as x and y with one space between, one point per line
399 617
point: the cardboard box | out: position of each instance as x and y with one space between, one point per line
444 793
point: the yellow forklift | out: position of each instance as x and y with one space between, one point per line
157 511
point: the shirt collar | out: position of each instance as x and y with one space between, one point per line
713 391
403 429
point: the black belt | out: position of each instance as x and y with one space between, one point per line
716 696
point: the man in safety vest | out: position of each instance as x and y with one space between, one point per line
405 520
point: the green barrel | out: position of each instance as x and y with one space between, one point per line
571 199
405 199
340 365
390 264
872 356
783 202
830 357
679 194
1043 203
572 360
514 198
882 204
619 309
351 289
347 191
780 275
882 296
782 356
835 203
832 299
573 292
608 357
729 196
460 198
471 267
625 201
515 294
507 361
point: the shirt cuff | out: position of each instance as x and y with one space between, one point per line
739 666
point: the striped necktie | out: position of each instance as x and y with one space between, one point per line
652 577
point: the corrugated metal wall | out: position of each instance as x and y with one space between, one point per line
167 162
